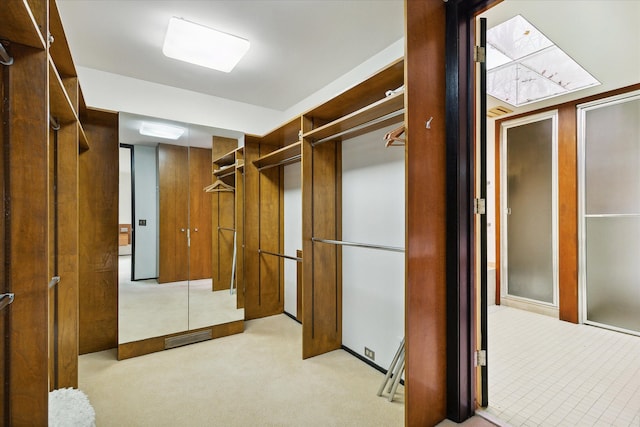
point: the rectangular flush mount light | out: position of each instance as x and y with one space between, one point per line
159 130
203 46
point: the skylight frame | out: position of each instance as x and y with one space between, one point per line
510 89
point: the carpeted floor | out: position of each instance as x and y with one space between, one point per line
257 378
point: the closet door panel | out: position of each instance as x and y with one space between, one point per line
174 212
271 280
322 282
200 214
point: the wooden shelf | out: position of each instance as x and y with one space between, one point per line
358 120
18 25
361 95
284 156
225 171
83 142
59 49
226 159
60 106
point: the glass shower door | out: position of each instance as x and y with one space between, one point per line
529 209
610 202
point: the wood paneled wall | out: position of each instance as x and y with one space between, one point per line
200 252
264 199
426 293
98 236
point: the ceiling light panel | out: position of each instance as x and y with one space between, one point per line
524 66
200 45
160 130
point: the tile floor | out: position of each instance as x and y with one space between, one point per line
545 372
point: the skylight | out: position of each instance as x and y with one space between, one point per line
524 66
200 45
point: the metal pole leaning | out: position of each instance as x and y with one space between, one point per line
392 367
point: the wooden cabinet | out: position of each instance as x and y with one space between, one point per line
41 145
185 213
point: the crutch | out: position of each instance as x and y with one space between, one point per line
397 365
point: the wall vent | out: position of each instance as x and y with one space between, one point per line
185 339
498 111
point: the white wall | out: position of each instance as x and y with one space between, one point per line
146 208
292 233
124 205
125 94
373 211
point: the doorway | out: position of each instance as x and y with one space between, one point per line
528 244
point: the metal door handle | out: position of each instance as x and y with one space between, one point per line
182 229
195 230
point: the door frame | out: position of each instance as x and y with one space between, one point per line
538 306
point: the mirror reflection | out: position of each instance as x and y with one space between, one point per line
165 232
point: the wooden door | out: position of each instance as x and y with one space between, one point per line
200 252
173 177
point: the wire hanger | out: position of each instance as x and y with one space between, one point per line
393 137
218 186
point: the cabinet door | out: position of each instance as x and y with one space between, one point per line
200 264
173 177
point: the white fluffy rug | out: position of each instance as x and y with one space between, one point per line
69 407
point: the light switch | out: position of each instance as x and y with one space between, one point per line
142 222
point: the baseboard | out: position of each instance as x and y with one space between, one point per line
293 317
367 361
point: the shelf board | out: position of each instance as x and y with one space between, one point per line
83 142
225 171
60 106
285 155
19 25
358 118
226 159
59 49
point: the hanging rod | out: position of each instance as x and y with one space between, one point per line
54 281
359 245
295 258
6 299
5 58
360 127
226 229
282 162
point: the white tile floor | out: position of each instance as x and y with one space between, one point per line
545 372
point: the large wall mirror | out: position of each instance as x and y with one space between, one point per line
165 232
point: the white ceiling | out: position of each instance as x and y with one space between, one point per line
300 46
297 46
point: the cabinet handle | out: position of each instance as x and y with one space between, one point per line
182 229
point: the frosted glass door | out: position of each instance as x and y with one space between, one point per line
610 144
529 211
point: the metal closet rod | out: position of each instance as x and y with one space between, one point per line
359 127
226 229
295 258
359 245
282 162
6 299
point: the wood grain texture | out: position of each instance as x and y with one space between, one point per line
173 183
153 345
98 234
425 295
68 260
322 265
200 252
299 287
251 230
4 284
568 213
26 233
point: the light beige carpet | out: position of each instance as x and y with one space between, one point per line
257 378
